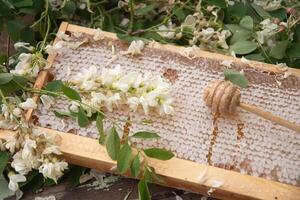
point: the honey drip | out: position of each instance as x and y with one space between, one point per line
213 139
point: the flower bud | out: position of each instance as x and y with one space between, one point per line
178 36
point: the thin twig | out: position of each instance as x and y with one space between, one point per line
7 53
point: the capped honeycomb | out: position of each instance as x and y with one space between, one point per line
245 142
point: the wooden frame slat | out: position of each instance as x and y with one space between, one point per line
178 173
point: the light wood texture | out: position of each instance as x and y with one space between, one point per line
178 173
270 116
44 75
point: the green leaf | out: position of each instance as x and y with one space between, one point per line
154 175
219 3
135 166
178 12
113 143
29 177
240 35
99 125
236 78
297 33
255 56
243 47
129 39
49 182
82 119
145 135
143 190
74 175
294 50
124 158
2 58
69 8
260 11
22 3
4 158
158 153
145 9
14 85
27 35
280 14
278 51
154 36
62 114
247 22
34 182
5 78
70 93
5 192
54 86
234 28
14 28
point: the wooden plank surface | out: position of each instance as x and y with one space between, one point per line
117 191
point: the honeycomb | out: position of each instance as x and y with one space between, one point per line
245 142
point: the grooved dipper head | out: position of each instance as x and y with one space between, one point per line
222 96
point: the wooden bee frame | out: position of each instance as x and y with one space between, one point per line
177 173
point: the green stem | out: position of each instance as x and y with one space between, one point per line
131 15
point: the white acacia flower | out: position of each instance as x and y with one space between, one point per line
268 30
74 106
207 33
11 143
124 22
245 60
166 107
112 100
133 103
166 31
97 99
88 79
28 104
135 47
61 35
53 149
269 5
8 125
28 147
98 35
23 67
56 48
19 45
53 170
222 38
20 164
24 45
108 76
227 63
14 180
5 111
216 183
132 79
190 52
47 100
17 112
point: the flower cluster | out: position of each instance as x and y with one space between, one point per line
204 32
32 148
29 64
112 88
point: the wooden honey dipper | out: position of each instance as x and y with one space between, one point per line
224 97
